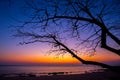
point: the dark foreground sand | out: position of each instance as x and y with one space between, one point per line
106 75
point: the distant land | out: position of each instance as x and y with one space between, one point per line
114 63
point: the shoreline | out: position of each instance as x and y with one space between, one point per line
105 75
47 73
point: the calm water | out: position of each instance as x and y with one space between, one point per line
43 70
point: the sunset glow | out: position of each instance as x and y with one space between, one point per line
38 58
12 53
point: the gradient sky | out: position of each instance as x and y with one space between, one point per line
11 53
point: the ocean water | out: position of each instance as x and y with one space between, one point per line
44 70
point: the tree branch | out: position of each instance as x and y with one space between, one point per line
80 59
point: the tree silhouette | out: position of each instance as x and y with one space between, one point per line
92 23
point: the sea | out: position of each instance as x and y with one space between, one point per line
45 70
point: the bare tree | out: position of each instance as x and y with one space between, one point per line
91 23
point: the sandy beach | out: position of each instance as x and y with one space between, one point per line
105 75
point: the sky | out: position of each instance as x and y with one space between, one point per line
11 53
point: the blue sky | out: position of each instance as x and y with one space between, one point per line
12 13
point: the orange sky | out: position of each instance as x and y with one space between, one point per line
37 57
34 53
